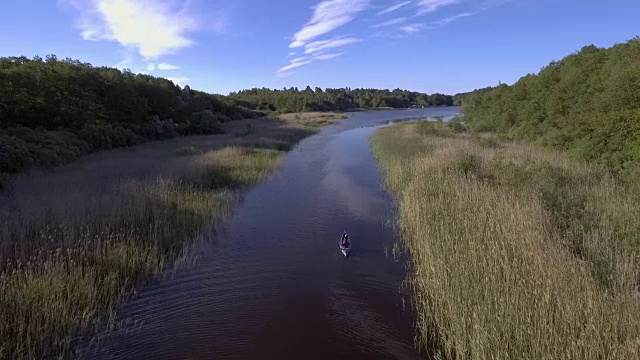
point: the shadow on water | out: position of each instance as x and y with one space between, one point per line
273 283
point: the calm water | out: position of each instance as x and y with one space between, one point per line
272 283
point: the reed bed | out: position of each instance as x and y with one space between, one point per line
77 240
517 252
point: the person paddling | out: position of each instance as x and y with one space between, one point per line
345 241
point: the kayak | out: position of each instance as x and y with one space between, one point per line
345 251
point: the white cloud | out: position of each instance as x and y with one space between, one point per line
300 59
179 80
316 46
305 60
390 22
294 65
446 21
328 56
165 66
451 19
151 67
328 15
152 27
394 7
414 28
429 6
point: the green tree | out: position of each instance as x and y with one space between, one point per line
52 111
588 103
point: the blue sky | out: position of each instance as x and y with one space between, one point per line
219 46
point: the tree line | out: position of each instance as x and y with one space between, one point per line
587 103
342 99
53 111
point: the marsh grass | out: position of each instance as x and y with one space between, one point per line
77 240
313 119
517 252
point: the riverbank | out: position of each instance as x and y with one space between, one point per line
78 239
516 251
312 119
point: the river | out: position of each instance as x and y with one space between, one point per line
271 282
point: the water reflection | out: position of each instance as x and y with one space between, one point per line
272 283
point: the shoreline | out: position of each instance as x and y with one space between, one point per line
98 229
515 246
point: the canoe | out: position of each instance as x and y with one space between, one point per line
345 251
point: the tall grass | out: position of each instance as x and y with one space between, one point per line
517 252
75 242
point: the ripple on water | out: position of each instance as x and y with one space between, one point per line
273 284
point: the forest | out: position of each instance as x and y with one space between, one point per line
587 103
295 100
53 111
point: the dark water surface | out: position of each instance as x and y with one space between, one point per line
272 284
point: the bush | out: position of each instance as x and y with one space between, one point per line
14 154
74 142
96 136
162 129
182 129
206 123
457 125
122 137
21 148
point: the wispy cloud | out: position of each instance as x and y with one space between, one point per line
413 28
487 5
390 22
152 27
293 65
394 7
453 18
316 46
300 59
329 56
305 60
429 6
151 67
165 66
179 80
327 16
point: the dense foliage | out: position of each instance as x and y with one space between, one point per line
294 100
52 111
588 103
